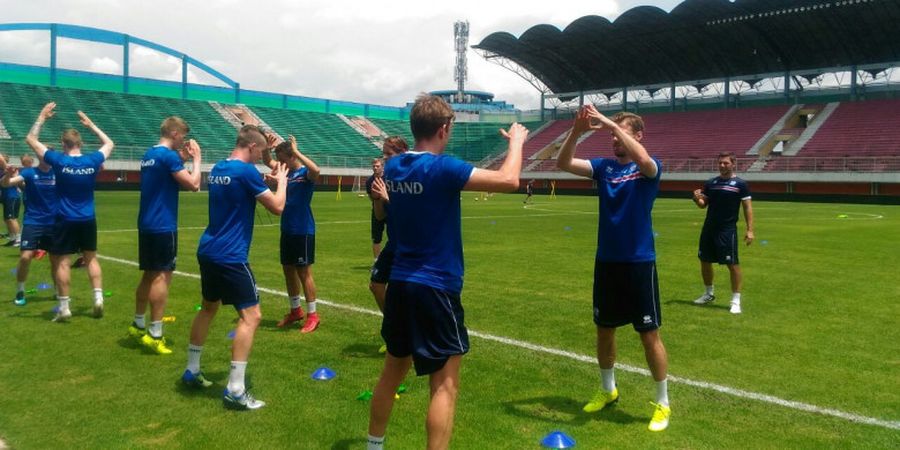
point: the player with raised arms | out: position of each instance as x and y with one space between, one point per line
625 280
235 185
76 225
423 316
162 175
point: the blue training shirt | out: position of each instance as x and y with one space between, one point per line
625 229
424 220
41 202
159 190
10 193
233 188
76 177
297 217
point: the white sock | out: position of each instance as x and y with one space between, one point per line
63 302
311 307
139 321
608 379
375 443
194 352
20 287
295 302
736 298
156 329
98 295
662 392
236 377
709 290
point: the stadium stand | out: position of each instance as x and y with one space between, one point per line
870 128
317 134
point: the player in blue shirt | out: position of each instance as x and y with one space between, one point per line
76 225
162 175
235 185
724 195
41 207
625 281
298 231
423 317
12 202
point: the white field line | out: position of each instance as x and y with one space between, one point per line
891 424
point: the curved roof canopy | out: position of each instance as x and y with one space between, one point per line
705 39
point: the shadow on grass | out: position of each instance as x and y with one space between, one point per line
557 409
361 268
694 305
219 379
346 444
362 351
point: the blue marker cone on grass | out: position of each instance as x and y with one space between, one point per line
557 439
323 374
231 334
44 286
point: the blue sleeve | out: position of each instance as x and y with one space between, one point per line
52 157
173 162
97 158
456 173
659 169
304 172
597 165
254 181
26 174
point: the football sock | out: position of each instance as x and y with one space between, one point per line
139 321
736 297
311 307
20 287
295 302
375 443
98 295
709 290
156 329
608 379
662 392
236 377
194 352
63 302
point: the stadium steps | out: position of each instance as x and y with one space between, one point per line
765 143
811 129
227 115
4 134
319 134
365 128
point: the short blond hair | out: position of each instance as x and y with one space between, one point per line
251 134
71 138
429 113
172 124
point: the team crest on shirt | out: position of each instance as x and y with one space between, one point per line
732 182
647 319
609 169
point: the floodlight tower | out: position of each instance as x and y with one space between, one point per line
461 38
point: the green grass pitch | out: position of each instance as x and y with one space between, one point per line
821 326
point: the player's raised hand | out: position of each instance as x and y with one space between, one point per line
47 111
596 116
192 148
379 190
272 140
516 135
85 120
582 122
279 172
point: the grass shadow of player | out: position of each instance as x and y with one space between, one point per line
214 391
361 268
347 444
359 350
694 305
554 409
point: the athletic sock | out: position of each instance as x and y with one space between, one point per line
156 329
295 302
98 295
63 303
20 287
736 298
709 290
311 307
194 352
236 377
608 379
139 321
662 392
375 443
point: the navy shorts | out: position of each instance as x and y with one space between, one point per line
74 237
377 229
719 246
36 237
381 270
11 208
157 251
424 322
231 283
626 293
298 249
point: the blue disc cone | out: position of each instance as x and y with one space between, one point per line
43 286
558 439
231 334
323 374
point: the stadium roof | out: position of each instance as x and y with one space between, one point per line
703 40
